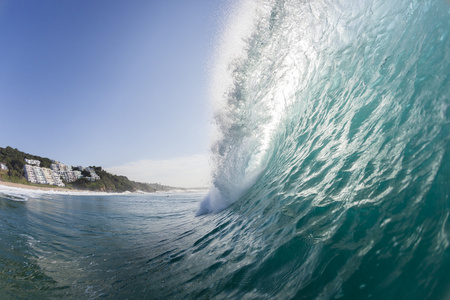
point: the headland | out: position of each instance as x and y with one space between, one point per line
29 171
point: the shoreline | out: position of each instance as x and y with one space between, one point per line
43 188
66 190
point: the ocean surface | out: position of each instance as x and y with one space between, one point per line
331 174
91 246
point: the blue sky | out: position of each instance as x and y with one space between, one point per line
120 84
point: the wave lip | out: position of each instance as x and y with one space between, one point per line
334 142
328 93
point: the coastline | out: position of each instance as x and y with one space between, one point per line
43 188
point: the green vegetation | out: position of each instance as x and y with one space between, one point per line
15 161
114 183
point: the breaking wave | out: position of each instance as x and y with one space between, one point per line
332 145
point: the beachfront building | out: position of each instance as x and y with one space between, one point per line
70 176
94 176
48 176
65 171
52 177
40 175
59 167
33 162
29 173
3 166
56 174
57 178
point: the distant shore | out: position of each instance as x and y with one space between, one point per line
42 188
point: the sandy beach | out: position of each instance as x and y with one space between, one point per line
43 188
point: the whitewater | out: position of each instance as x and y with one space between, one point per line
331 173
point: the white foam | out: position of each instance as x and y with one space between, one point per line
25 194
238 27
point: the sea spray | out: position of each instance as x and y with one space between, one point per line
330 72
341 109
332 160
236 154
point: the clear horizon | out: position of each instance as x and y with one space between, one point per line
119 85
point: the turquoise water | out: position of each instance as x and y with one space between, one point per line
332 147
331 174
94 246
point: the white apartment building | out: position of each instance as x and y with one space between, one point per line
94 176
3 166
34 162
48 176
70 176
40 175
61 167
29 174
57 179
56 174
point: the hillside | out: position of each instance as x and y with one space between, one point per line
115 183
15 161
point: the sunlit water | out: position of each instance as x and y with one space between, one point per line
331 174
93 246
